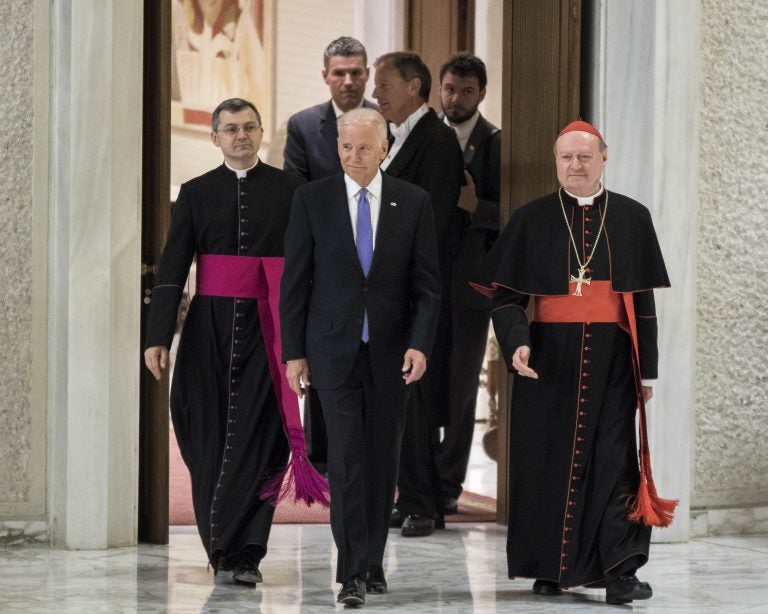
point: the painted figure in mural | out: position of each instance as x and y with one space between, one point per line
581 506
220 52
229 390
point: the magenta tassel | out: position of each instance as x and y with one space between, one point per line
299 477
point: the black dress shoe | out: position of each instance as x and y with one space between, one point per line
352 592
396 519
247 573
626 589
375 583
546 587
450 505
416 525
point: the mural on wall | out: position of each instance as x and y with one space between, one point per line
221 49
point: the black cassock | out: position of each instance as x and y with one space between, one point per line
573 455
223 405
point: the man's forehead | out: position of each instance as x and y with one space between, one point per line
243 115
346 62
577 140
465 80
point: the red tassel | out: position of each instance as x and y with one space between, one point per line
646 506
649 509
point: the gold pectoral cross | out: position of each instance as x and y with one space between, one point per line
580 280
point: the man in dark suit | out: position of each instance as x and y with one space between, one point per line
463 80
425 152
311 144
311 152
359 304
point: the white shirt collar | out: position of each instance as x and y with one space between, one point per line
241 172
464 129
585 200
374 187
337 110
402 131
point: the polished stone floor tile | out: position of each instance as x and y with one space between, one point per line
459 570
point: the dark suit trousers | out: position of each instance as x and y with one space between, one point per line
365 427
469 337
418 483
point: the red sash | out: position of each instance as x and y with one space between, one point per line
599 303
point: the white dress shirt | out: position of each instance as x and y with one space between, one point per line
374 200
402 131
464 129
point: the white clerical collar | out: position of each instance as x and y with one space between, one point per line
337 110
585 200
402 131
241 172
464 129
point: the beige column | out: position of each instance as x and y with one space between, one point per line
94 241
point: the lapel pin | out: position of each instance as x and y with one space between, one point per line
393 204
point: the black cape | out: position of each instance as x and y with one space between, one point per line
224 411
573 456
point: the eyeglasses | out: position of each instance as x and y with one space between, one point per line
232 131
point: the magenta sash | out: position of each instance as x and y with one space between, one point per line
258 278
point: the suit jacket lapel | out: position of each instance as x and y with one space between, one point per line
411 145
387 222
474 141
340 218
328 130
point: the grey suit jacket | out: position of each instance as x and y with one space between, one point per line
311 149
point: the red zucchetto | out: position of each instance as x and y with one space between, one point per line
581 126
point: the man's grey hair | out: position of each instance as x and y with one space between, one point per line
344 46
233 105
410 66
364 115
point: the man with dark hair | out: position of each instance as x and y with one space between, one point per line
359 305
226 394
310 146
311 152
462 88
426 153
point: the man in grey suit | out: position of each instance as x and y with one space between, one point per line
311 144
311 152
359 305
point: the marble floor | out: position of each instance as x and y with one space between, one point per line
459 570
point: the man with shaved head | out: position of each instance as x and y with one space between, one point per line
581 505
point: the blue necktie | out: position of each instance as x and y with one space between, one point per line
364 242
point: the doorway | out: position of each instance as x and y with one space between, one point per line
541 64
